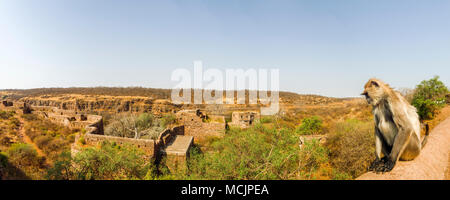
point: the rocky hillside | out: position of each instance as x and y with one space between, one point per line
157 101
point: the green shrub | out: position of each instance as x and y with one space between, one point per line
109 162
3 160
168 120
62 169
429 97
259 153
81 140
313 159
267 119
145 120
24 155
256 153
71 138
310 126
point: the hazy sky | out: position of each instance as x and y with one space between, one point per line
321 47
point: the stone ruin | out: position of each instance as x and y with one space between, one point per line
307 138
72 119
16 106
7 104
244 119
171 143
200 125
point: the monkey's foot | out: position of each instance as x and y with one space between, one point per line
376 164
387 166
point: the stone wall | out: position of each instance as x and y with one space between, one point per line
307 138
168 135
177 152
199 125
72 119
110 104
244 119
94 136
7 104
148 146
151 148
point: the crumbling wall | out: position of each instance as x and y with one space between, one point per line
7 103
93 124
244 119
151 148
198 125
307 138
168 135
177 152
71 119
148 146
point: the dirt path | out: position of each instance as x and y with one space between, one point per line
432 164
28 140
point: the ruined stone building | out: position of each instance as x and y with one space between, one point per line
171 143
244 119
200 125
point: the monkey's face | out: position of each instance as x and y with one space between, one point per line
373 92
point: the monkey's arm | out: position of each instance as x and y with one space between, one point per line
378 144
377 163
380 147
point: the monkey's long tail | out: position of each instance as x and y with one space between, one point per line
425 139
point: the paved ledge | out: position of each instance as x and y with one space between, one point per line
180 145
431 164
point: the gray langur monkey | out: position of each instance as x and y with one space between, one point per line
397 126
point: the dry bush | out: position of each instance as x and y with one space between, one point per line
144 125
351 145
51 138
42 141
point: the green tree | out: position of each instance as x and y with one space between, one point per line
310 126
429 97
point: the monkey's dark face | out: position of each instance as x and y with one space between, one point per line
373 92
366 95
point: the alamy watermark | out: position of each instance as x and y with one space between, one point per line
204 83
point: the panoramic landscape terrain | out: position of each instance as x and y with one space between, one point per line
224 90
138 133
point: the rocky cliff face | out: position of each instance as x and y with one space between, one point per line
105 104
156 101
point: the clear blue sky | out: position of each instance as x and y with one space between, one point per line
321 47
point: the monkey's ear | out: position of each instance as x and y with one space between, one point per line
375 84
